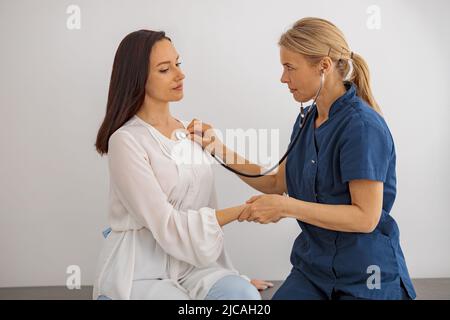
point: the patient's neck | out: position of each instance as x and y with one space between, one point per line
155 112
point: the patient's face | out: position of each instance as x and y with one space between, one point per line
165 79
302 78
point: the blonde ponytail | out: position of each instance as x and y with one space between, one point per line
361 78
317 38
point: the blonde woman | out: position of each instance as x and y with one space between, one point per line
165 239
340 176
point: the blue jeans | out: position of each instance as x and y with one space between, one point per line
233 287
227 288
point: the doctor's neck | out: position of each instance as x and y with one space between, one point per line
156 112
331 91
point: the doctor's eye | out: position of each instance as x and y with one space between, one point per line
178 64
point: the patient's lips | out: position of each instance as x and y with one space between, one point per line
179 87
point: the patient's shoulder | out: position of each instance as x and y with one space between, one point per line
135 132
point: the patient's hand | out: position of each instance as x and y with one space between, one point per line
204 134
261 284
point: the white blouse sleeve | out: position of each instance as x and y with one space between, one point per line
193 236
213 198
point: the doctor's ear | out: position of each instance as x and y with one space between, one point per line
325 65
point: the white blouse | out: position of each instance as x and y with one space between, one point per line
162 215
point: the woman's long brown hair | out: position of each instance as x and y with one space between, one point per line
127 84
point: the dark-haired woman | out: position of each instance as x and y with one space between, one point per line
165 239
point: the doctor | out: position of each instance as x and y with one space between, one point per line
340 176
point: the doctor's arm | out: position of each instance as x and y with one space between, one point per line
274 183
366 149
362 215
269 184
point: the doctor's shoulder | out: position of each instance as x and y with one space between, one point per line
365 122
363 114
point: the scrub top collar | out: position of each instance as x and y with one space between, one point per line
343 100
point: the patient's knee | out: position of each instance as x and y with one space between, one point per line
247 291
233 288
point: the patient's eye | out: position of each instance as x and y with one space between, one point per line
167 69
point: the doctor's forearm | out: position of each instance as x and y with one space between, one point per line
264 184
344 218
228 215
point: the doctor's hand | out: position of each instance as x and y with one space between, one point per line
204 134
265 208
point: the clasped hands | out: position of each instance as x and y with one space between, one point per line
265 208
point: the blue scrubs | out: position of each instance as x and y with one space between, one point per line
354 143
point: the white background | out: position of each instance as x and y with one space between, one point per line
53 90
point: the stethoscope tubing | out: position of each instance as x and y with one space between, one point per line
303 117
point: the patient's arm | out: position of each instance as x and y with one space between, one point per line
228 215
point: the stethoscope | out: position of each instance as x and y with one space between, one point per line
303 115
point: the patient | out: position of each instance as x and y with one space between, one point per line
166 239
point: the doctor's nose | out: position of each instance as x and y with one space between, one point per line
284 78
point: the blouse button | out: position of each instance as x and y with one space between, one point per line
313 161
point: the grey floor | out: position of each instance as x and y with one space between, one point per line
427 289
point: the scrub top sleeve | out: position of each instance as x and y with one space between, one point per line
365 152
194 236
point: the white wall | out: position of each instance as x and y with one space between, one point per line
53 88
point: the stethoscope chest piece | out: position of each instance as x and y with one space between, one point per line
180 135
